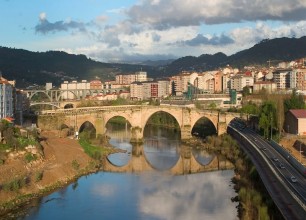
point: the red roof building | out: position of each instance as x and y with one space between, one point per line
295 122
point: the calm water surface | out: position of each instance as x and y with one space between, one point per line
147 195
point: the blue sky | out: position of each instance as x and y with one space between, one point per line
136 30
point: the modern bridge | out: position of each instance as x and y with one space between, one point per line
136 115
56 97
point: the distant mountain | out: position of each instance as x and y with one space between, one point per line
28 67
281 49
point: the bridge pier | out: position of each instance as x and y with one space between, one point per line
136 135
186 132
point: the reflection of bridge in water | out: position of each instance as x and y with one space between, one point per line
186 163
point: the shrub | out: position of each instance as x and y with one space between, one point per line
39 176
75 164
30 157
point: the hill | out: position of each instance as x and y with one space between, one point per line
281 49
28 67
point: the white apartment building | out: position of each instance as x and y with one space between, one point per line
136 91
74 85
141 76
282 78
6 99
163 88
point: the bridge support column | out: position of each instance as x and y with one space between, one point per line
221 128
100 127
136 135
186 132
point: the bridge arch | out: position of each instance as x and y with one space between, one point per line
43 92
204 127
88 126
68 105
60 96
151 112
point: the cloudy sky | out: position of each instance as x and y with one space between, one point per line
135 30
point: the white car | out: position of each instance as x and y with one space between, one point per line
293 179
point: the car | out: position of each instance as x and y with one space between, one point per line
255 139
281 166
275 159
264 148
293 179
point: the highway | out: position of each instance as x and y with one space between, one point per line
286 186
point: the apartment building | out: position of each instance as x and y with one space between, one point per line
163 88
6 98
127 79
241 80
269 86
283 77
136 91
300 77
95 84
150 90
74 85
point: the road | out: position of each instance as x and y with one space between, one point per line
285 184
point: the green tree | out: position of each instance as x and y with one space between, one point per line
295 102
246 91
267 119
250 108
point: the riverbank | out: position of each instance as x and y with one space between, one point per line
64 161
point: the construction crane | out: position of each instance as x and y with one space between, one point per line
269 61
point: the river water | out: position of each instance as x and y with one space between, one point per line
148 195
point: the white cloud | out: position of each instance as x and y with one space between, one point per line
42 16
168 13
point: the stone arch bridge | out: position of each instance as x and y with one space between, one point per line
136 115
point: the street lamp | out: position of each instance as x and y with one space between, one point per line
271 127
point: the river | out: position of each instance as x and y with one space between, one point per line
149 195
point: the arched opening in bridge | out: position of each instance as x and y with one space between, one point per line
87 131
118 130
162 137
40 101
69 105
65 130
203 128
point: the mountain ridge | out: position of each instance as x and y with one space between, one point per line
28 67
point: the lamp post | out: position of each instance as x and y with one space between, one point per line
271 127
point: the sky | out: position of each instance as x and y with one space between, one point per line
139 30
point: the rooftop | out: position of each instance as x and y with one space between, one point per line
298 113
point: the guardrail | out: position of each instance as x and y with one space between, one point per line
293 194
290 158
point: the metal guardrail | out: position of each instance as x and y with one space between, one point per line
293 194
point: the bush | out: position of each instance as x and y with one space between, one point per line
15 184
30 157
75 165
39 176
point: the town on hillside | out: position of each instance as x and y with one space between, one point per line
219 89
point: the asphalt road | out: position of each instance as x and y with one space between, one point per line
285 184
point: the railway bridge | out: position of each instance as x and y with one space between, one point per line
136 115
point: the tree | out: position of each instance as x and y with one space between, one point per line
246 91
267 119
295 102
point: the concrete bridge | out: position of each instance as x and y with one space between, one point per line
136 115
55 97
186 163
